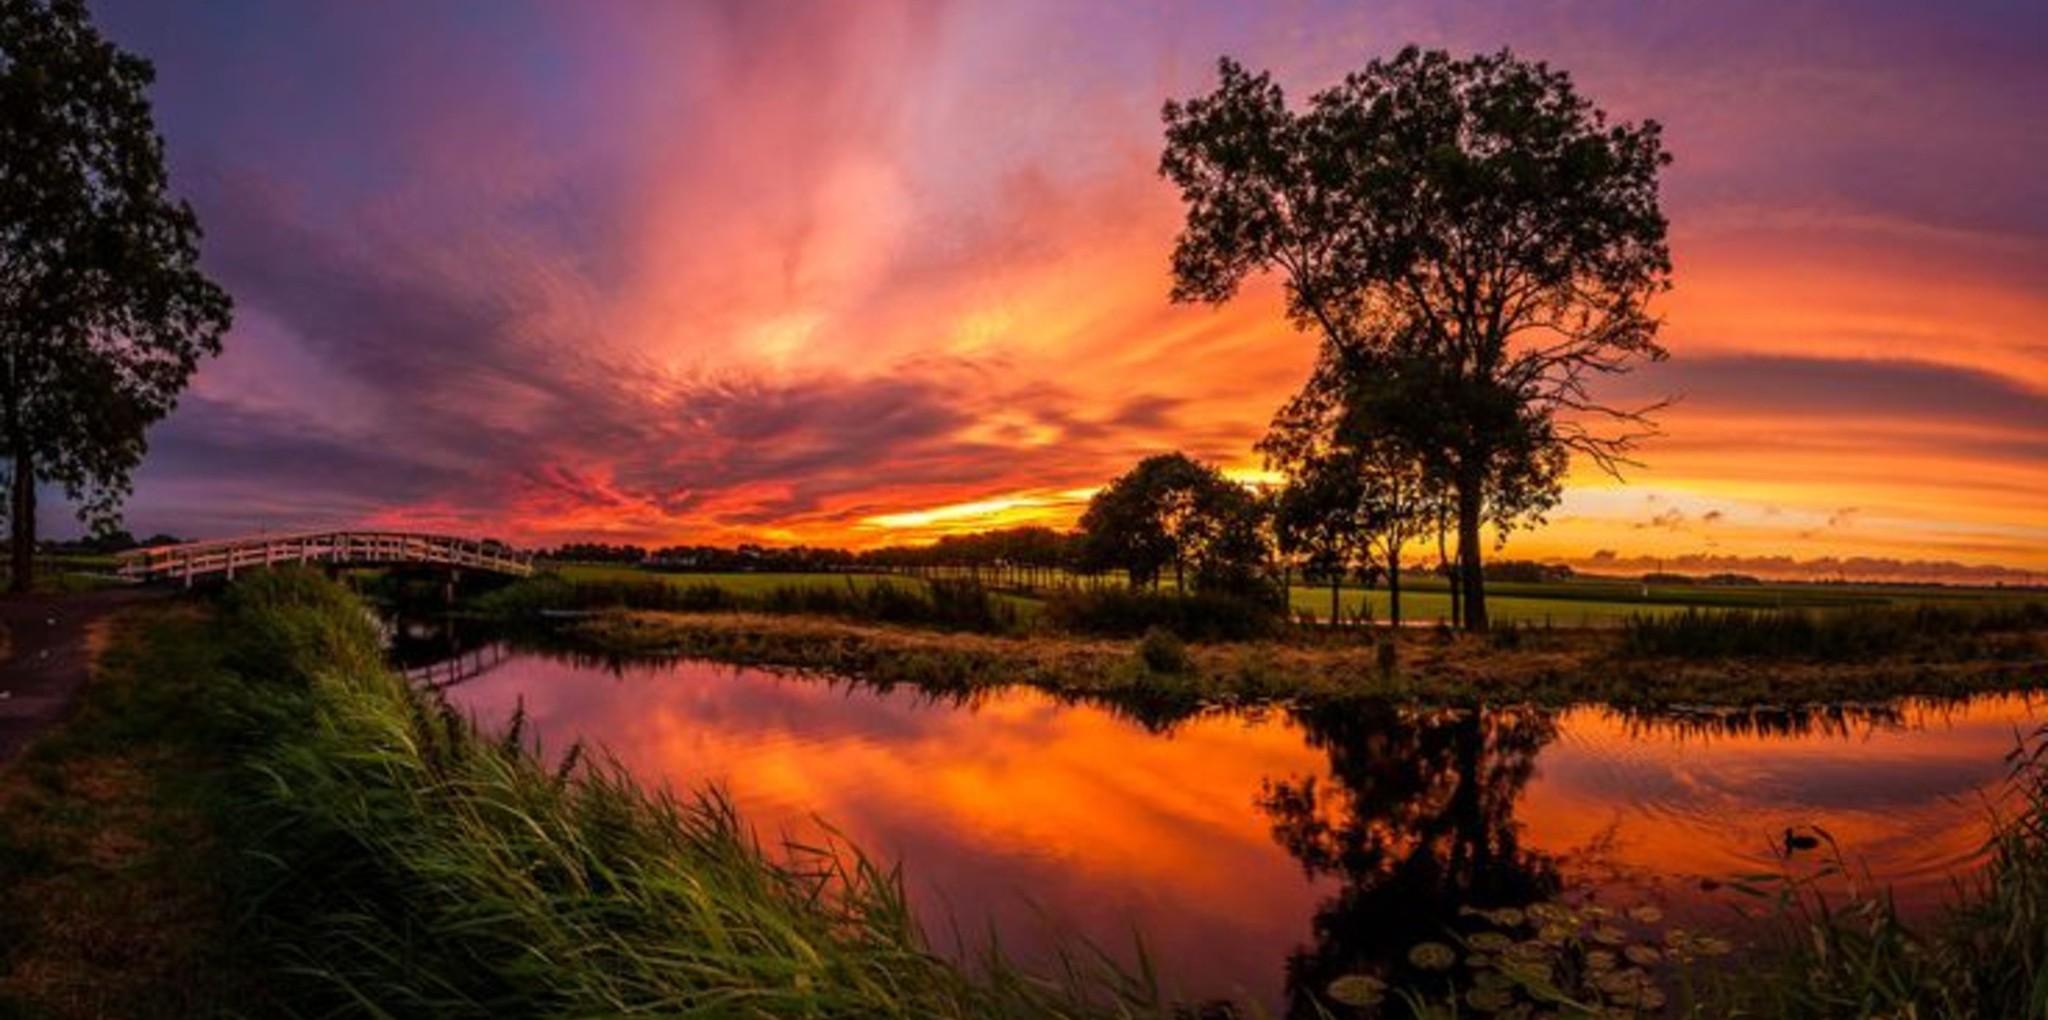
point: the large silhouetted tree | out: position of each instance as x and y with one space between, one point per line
104 313
1472 227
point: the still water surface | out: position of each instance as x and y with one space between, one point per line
1263 852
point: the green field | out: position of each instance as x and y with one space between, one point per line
1584 602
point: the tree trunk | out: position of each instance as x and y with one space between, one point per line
1336 610
1470 572
1450 574
1394 587
22 515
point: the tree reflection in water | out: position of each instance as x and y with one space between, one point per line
1416 820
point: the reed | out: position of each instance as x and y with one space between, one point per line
405 865
1852 955
1859 634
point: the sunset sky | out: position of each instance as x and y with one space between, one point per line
862 272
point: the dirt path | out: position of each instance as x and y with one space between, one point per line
47 659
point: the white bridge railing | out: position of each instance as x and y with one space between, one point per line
226 556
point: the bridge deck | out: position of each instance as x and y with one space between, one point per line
225 557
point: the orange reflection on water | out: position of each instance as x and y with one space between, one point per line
1013 813
1907 794
1016 812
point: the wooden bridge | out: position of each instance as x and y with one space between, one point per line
222 558
463 668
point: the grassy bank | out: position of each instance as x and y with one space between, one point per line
381 858
1535 666
111 859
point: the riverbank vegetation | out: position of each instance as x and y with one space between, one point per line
1429 666
252 813
340 844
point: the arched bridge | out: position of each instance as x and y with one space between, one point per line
222 558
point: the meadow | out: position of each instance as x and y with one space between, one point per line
1425 599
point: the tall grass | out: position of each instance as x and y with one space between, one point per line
1859 634
1986 958
942 604
404 865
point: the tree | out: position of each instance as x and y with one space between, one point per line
1335 440
104 312
1471 228
1321 515
1170 510
1413 819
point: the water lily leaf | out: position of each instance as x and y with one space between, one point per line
1432 956
1358 990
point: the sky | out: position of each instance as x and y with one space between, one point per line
861 273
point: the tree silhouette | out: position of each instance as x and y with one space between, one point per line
1417 824
104 312
1322 514
1347 465
1470 228
1171 510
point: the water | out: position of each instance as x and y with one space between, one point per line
1249 846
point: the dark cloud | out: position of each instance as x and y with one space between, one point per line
1672 519
1899 390
1150 411
1824 568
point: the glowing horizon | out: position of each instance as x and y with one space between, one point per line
787 273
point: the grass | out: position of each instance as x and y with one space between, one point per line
388 860
941 604
2013 631
735 582
1427 606
1853 956
111 858
70 574
1580 602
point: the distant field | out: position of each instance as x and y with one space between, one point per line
746 584
1590 602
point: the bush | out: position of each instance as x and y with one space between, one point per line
1124 612
1163 652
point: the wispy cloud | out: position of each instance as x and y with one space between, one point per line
788 270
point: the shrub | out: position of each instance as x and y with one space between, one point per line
1163 652
1200 616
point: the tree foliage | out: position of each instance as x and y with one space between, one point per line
1349 467
1172 511
1470 231
104 311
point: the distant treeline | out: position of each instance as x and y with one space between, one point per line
1027 546
107 544
1021 547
